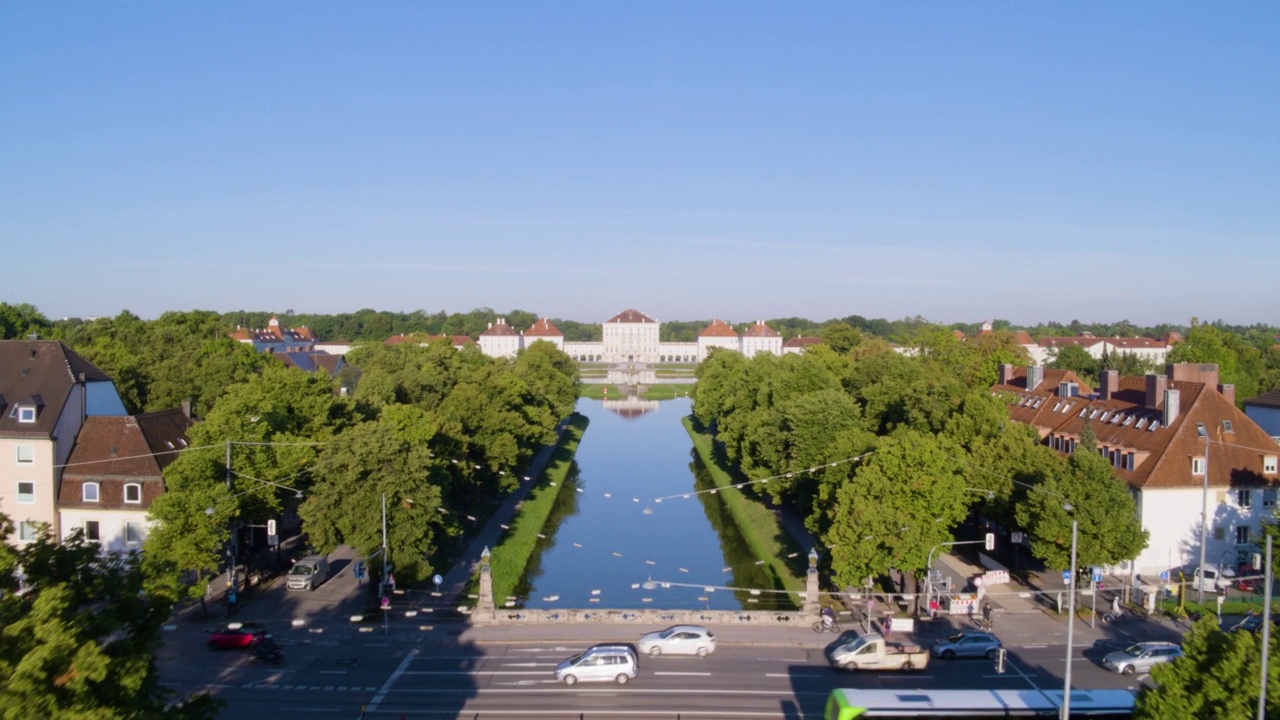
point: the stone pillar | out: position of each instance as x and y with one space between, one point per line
811 602
485 603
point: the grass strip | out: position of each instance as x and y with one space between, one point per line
514 548
768 540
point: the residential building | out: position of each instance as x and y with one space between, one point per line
114 474
717 335
761 338
46 393
458 341
275 339
1265 410
799 344
1177 440
544 330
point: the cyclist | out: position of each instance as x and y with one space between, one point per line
828 618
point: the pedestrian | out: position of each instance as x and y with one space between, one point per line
887 625
933 608
972 605
871 611
986 616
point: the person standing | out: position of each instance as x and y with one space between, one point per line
986 616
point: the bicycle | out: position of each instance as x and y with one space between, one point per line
833 627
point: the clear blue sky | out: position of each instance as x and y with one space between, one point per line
960 161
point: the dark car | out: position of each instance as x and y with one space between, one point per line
236 636
1253 623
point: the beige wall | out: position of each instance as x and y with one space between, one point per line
41 472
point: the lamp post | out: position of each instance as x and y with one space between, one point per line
1204 514
1071 617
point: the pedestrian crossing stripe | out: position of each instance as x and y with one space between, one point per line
321 688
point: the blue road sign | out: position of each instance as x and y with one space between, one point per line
436 579
1097 575
1164 574
1066 576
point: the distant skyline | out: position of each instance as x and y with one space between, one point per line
743 160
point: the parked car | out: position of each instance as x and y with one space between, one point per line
1141 657
968 644
679 640
871 651
599 663
236 636
308 573
1212 578
1253 623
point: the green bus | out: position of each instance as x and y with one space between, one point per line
849 704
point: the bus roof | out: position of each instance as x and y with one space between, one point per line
937 703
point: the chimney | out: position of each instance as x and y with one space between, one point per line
186 408
1006 373
1110 383
490 326
33 336
1228 392
1206 373
1035 376
1170 407
1156 385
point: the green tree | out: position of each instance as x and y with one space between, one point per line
1217 678
1076 359
80 642
1108 527
840 337
19 321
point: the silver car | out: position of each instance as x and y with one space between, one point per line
1141 657
968 644
679 640
599 663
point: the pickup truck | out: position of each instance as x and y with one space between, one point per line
871 651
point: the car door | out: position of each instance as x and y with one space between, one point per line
972 646
867 656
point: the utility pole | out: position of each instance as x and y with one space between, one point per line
1071 626
1266 633
1204 518
231 546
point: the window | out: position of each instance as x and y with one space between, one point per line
1219 533
1197 466
1269 464
1244 498
26 454
1128 461
133 532
26 491
89 492
133 493
27 531
1226 426
26 415
1269 498
91 530
1242 535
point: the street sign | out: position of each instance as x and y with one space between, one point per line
436 579
1097 574
1066 577
272 538
1164 575
1017 538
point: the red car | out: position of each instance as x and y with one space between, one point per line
236 636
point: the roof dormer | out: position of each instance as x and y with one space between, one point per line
27 411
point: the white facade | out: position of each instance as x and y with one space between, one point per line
500 340
705 343
1151 351
761 338
1172 517
686 352
117 530
631 342
585 351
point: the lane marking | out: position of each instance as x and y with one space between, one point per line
333 672
704 674
391 681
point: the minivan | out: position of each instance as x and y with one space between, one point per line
1213 578
309 573
599 663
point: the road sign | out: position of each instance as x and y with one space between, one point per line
1164 574
436 579
1066 577
272 538
1097 574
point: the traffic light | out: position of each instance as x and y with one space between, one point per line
991 541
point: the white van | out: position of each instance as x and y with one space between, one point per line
599 663
1213 579
308 573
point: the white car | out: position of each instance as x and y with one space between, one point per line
678 640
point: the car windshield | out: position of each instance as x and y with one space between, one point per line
300 570
856 644
957 638
667 633
1134 650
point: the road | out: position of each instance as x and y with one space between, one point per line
446 671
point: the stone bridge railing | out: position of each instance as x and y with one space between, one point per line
775 618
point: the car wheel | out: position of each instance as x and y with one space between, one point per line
570 679
948 654
623 679
655 651
702 652
1127 670
907 667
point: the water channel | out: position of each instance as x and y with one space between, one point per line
611 544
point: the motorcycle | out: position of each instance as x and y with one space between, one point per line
266 650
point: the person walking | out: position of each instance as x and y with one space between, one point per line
986 616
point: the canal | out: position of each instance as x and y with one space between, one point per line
611 543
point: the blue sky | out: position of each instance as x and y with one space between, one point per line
960 161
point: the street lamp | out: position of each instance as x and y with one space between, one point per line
1071 616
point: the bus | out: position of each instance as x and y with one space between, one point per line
848 704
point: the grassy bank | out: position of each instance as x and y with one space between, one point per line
768 540
619 392
515 547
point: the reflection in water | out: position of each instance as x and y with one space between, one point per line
607 537
566 504
631 407
738 556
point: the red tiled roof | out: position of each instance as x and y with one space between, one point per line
1022 337
631 316
718 328
760 330
801 341
1084 342
543 328
499 328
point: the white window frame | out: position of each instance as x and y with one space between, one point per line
26 414
28 531
1197 466
137 536
90 497
31 496
1269 498
97 530
1269 464
28 450
1244 498
138 487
